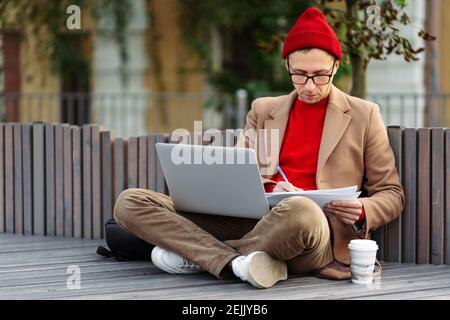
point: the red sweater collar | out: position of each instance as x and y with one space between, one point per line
321 104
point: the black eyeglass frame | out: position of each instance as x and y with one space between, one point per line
312 77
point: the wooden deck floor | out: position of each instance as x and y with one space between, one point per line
35 268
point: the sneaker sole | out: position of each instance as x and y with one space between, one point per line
264 271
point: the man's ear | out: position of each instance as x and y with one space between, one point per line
286 64
336 66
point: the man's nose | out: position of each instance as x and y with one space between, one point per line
309 85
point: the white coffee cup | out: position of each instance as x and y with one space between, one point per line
362 260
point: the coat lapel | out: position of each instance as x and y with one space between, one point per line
336 122
276 127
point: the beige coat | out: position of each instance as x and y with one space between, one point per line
354 150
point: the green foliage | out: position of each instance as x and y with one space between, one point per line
47 20
367 34
246 29
358 37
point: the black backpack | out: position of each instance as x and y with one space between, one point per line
123 245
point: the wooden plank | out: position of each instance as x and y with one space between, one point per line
447 197
202 285
379 236
9 178
96 184
27 179
2 177
160 181
423 199
107 187
77 182
409 183
18 187
132 162
68 172
437 196
142 163
151 162
209 137
230 137
59 180
237 133
119 167
38 179
215 138
87 180
394 227
50 179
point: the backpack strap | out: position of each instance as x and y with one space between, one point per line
104 252
108 254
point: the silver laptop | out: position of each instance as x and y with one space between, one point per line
213 180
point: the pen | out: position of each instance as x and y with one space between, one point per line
282 173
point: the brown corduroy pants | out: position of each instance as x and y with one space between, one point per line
295 231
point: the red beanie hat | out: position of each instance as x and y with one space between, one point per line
312 31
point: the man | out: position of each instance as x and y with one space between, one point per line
327 139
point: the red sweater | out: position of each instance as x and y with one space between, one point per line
300 147
299 151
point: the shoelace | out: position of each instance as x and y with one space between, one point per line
189 265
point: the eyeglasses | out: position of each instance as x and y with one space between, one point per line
302 79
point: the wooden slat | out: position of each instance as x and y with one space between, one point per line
50 178
9 178
68 172
379 236
119 167
394 227
132 162
423 192
210 137
151 161
447 197
87 180
18 187
437 195
237 133
96 184
142 163
59 180
230 138
27 179
409 183
160 181
38 179
107 187
2 177
77 182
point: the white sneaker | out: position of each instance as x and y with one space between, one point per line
172 263
259 269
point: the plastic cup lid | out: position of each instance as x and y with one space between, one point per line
363 244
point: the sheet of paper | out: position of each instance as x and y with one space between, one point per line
321 197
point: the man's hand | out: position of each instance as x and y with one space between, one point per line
283 186
348 211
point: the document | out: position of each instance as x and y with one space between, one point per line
321 197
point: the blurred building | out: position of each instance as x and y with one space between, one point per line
400 87
162 86
158 89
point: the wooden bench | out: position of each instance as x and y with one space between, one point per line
61 180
